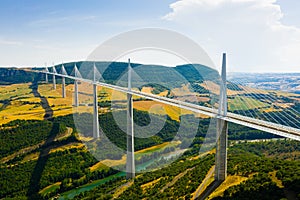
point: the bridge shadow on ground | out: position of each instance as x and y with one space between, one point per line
34 185
210 188
44 101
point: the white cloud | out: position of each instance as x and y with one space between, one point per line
250 31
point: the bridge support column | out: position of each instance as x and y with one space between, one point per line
221 150
46 74
63 87
77 75
76 103
222 129
130 164
53 79
96 133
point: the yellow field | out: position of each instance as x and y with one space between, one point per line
147 90
158 147
63 106
60 106
163 109
20 94
98 166
163 94
182 91
8 91
275 179
68 146
112 163
107 94
229 182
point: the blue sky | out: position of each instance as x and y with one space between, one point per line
258 35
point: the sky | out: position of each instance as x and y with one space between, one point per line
257 35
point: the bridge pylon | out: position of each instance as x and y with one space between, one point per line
53 77
78 75
130 164
63 82
46 75
222 129
96 133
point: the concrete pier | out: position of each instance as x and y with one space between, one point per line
63 82
76 101
53 77
46 75
77 75
96 133
130 163
222 129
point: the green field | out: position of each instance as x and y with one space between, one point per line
245 103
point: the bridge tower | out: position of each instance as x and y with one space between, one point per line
96 133
63 81
53 78
130 164
46 75
222 128
78 75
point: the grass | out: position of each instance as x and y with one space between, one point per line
229 182
15 90
149 184
16 94
66 134
68 146
245 103
176 178
50 188
107 94
122 188
209 178
84 139
156 148
164 93
182 91
32 156
19 94
147 90
98 166
160 109
63 106
113 163
20 152
275 179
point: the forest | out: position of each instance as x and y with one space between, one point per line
268 177
70 167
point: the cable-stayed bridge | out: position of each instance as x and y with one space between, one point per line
285 123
